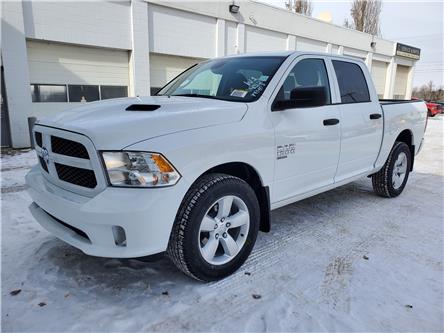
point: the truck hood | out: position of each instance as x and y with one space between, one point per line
110 126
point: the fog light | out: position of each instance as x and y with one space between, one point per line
119 236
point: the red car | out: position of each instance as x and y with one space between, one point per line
433 109
440 103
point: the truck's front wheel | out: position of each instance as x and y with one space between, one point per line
216 227
390 181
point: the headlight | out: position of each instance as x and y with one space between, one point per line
139 169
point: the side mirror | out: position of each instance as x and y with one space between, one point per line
304 97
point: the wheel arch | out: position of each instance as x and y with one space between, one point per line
406 136
252 177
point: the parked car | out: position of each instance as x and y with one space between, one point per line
433 109
441 103
196 170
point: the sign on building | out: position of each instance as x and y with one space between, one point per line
407 51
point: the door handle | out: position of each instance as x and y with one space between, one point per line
375 116
330 122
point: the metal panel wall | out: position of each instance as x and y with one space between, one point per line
98 23
181 33
305 44
259 40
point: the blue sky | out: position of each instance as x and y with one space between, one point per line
416 23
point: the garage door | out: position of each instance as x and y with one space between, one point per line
164 68
402 74
60 63
379 75
62 74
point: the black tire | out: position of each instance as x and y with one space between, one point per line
382 180
183 247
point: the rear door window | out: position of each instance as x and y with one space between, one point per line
352 83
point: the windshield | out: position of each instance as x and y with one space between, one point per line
231 79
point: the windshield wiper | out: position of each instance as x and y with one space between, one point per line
197 95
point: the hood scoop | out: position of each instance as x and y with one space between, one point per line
142 107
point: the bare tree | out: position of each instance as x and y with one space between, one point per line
365 16
428 92
304 7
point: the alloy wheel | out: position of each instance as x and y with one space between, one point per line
223 230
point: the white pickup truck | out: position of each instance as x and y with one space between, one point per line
195 170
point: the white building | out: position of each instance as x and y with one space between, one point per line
56 54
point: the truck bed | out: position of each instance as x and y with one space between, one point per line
399 116
399 101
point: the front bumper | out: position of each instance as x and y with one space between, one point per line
145 215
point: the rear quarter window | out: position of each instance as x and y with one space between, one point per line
352 83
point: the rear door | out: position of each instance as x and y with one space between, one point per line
307 138
361 119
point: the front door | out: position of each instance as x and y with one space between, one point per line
307 138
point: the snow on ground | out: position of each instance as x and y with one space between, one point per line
345 260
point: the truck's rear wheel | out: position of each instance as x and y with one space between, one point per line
390 181
216 227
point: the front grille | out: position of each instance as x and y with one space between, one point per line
43 164
38 138
69 160
67 147
76 176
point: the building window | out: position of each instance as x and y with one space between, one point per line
48 93
107 92
43 93
83 93
352 83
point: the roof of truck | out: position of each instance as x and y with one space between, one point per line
267 54
288 53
